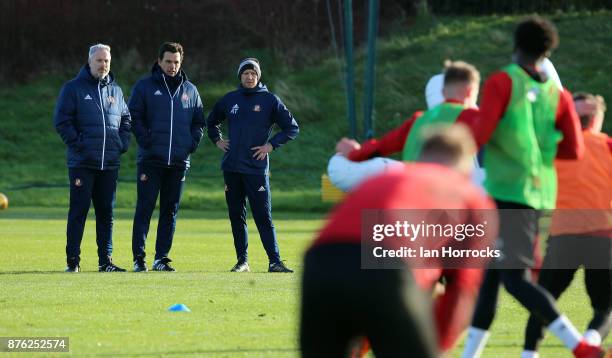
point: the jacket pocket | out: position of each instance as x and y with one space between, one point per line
180 153
147 140
113 146
78 145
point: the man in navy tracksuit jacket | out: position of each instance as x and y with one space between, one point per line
168 123
251 111
94 122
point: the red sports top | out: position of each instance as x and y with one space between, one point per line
393 141
418 186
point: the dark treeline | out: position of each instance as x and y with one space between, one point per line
53 35
486 7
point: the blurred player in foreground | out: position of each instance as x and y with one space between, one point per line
341 302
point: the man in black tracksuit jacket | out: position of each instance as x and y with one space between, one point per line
250 111
94 122
168 124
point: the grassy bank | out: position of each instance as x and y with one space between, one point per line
32 154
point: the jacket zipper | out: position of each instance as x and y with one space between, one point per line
103 125
171 125
171 113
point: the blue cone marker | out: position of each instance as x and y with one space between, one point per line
179 307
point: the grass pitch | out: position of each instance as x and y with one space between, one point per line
233 315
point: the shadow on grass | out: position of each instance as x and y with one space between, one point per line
54 213
32 272
205 351
262 272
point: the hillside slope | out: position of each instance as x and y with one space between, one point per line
33 169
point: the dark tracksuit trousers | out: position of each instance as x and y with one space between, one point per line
168 184
87 186
518 230
564 255
341 302
239 187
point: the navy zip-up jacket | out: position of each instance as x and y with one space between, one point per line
167 120
250 115
93 120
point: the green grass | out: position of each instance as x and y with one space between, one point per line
237 315
233 315
32 154
125 314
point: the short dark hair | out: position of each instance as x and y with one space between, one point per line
535 36
172 47
585 119
460 72
582 96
